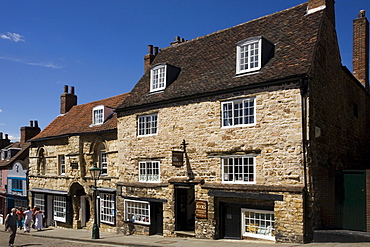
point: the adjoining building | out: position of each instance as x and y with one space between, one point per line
14 163
60 159
254 131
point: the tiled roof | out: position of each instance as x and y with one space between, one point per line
78 120
21 155
208 63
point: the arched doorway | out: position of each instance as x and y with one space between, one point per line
80 205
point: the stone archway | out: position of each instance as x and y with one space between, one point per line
80 205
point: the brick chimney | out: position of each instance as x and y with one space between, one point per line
360 60
67 100
148 59
27 132
4 142
317 5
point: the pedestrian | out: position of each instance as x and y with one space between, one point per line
39 218
20 214
11 224
28 216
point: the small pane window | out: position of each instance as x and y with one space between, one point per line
249 56
39 201
238 170
137 211
258 224
158 78
103 163
147 124
60 208
98 116
107 208
149 171
238 112
62 165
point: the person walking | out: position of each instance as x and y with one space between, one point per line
20 214
28 216
11 224
39 218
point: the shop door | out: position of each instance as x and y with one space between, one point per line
185 208
231 226
156 226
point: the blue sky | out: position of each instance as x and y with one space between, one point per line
98 46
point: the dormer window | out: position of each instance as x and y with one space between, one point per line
100 114
252 54
161 76
158 78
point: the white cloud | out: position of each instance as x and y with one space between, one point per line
41 64
12 36
1 110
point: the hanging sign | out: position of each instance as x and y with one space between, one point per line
177 158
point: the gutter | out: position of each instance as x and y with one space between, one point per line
69 135
215 93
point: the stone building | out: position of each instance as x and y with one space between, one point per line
14 164
60 159
246 132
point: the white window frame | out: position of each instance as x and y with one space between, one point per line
62 164
107 208
258 223
238 113
246 53
137 211
103 163
149 171
158 78
147 125
60 208
246 172
39 201
98 115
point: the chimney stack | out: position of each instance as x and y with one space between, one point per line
317 5
148 59
27 132
4 142
360 61
67 100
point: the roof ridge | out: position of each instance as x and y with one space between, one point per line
91 102
229 28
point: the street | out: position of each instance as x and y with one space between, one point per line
28 240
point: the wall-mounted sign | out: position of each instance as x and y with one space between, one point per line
177 158
201 208
74 165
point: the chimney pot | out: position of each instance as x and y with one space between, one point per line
6 136
36 124
31 123
1 135
156 49
72 90
362 13
65 89
150 49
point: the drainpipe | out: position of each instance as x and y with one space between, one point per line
303 85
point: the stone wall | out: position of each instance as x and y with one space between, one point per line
276 138
80 150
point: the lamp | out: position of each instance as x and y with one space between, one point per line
95 174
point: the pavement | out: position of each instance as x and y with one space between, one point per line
115 239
